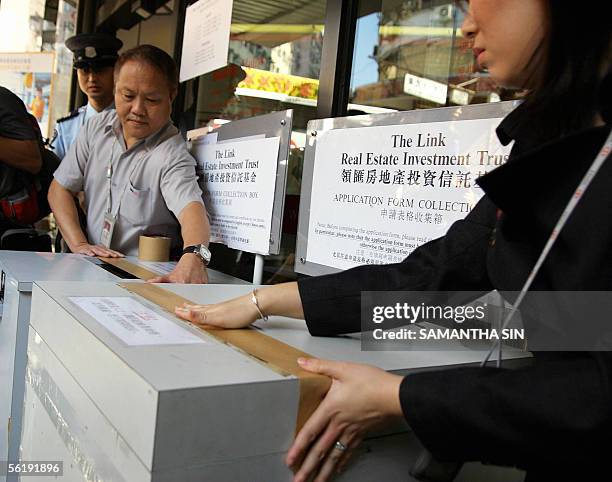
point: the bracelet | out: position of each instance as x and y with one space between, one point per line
256 303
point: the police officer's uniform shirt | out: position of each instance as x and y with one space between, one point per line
68 128
152 180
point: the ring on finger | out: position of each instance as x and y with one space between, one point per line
340 446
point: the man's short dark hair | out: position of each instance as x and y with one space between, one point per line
156 58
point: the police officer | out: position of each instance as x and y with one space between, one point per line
95 55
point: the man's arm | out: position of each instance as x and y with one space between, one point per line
195 229
62 203
69 179
194 225
18 140
21 154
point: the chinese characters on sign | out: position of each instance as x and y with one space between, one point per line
238 180
380 192
410 177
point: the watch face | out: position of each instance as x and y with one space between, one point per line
204 253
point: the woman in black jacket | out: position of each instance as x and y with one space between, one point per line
553 418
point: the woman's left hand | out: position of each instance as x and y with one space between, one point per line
360 398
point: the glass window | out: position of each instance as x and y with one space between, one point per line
410 54
152 25
65 28
31 26
274 64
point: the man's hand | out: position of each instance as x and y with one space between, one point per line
189 269
95 250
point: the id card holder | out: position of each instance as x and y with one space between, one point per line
108 226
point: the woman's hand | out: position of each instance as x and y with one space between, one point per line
237 313
282 300
361 398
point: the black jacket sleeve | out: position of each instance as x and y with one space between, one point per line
454 262
554 412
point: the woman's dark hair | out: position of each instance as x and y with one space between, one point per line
576 83
156 58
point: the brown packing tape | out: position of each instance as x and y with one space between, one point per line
278 356
154 248
133 269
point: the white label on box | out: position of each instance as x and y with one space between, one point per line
134 323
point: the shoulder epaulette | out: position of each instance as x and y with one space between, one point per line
74 113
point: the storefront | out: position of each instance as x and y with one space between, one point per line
321 58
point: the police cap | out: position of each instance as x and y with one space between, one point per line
94 49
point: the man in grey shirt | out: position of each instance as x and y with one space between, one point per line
136 172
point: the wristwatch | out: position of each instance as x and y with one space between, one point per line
201 251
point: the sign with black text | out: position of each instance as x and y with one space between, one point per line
238 180
380 192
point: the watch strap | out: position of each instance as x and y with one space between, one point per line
195 249
191 249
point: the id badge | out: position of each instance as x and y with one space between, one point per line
108 226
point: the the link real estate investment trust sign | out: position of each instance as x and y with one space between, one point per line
383 191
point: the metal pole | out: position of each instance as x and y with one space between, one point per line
337 57
179 103
258 270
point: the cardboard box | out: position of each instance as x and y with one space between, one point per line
188 412
19 270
